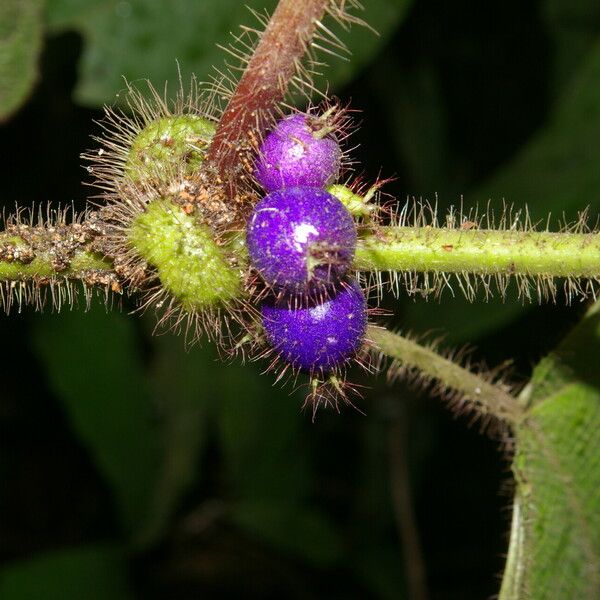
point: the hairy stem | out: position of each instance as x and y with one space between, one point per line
264 82
70 250
452 380
480 251
40 253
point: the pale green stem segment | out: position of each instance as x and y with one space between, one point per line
43 265
480 251
415 249
455 381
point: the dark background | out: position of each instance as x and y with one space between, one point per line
132 468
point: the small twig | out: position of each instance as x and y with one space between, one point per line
486 251
264 83
68 251
464 387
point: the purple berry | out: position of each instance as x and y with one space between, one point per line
298 152
320 336
301 239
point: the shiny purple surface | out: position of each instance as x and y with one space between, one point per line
301 238
293 154
321 336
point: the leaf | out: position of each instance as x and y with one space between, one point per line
297 530
556 172
574 26
144 39
261 466
92 363
555 538
181 389
20 45
265 453
92 572
382 17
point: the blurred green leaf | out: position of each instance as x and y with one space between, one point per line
143 39
261 436
181 388
412 102
378 560
573 26
555 537
297 530
382 569
582 14
460 321
556 172
91 572
20 45
382 16
93 364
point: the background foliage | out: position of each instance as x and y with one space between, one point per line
132 468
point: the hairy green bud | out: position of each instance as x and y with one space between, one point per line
190 264
167 144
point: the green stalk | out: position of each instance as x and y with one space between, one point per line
453 380
397 249
480 251
22 261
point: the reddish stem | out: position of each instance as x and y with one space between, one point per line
264 83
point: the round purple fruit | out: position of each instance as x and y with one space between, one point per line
298 151
321 336
301 239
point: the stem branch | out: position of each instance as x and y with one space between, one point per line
264 82
480 251
40 253
453 380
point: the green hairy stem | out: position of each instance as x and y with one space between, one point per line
458 383
44 253
398 249
480 251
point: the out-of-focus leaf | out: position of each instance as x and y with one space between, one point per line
555 538
260 430
181 384
93 364
90 572
297 530
20 44
378 561
381 568
383 16
143 39
573 25
412 102
556 172
460 321
262 465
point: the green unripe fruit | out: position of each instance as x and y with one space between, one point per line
169 144
190 265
